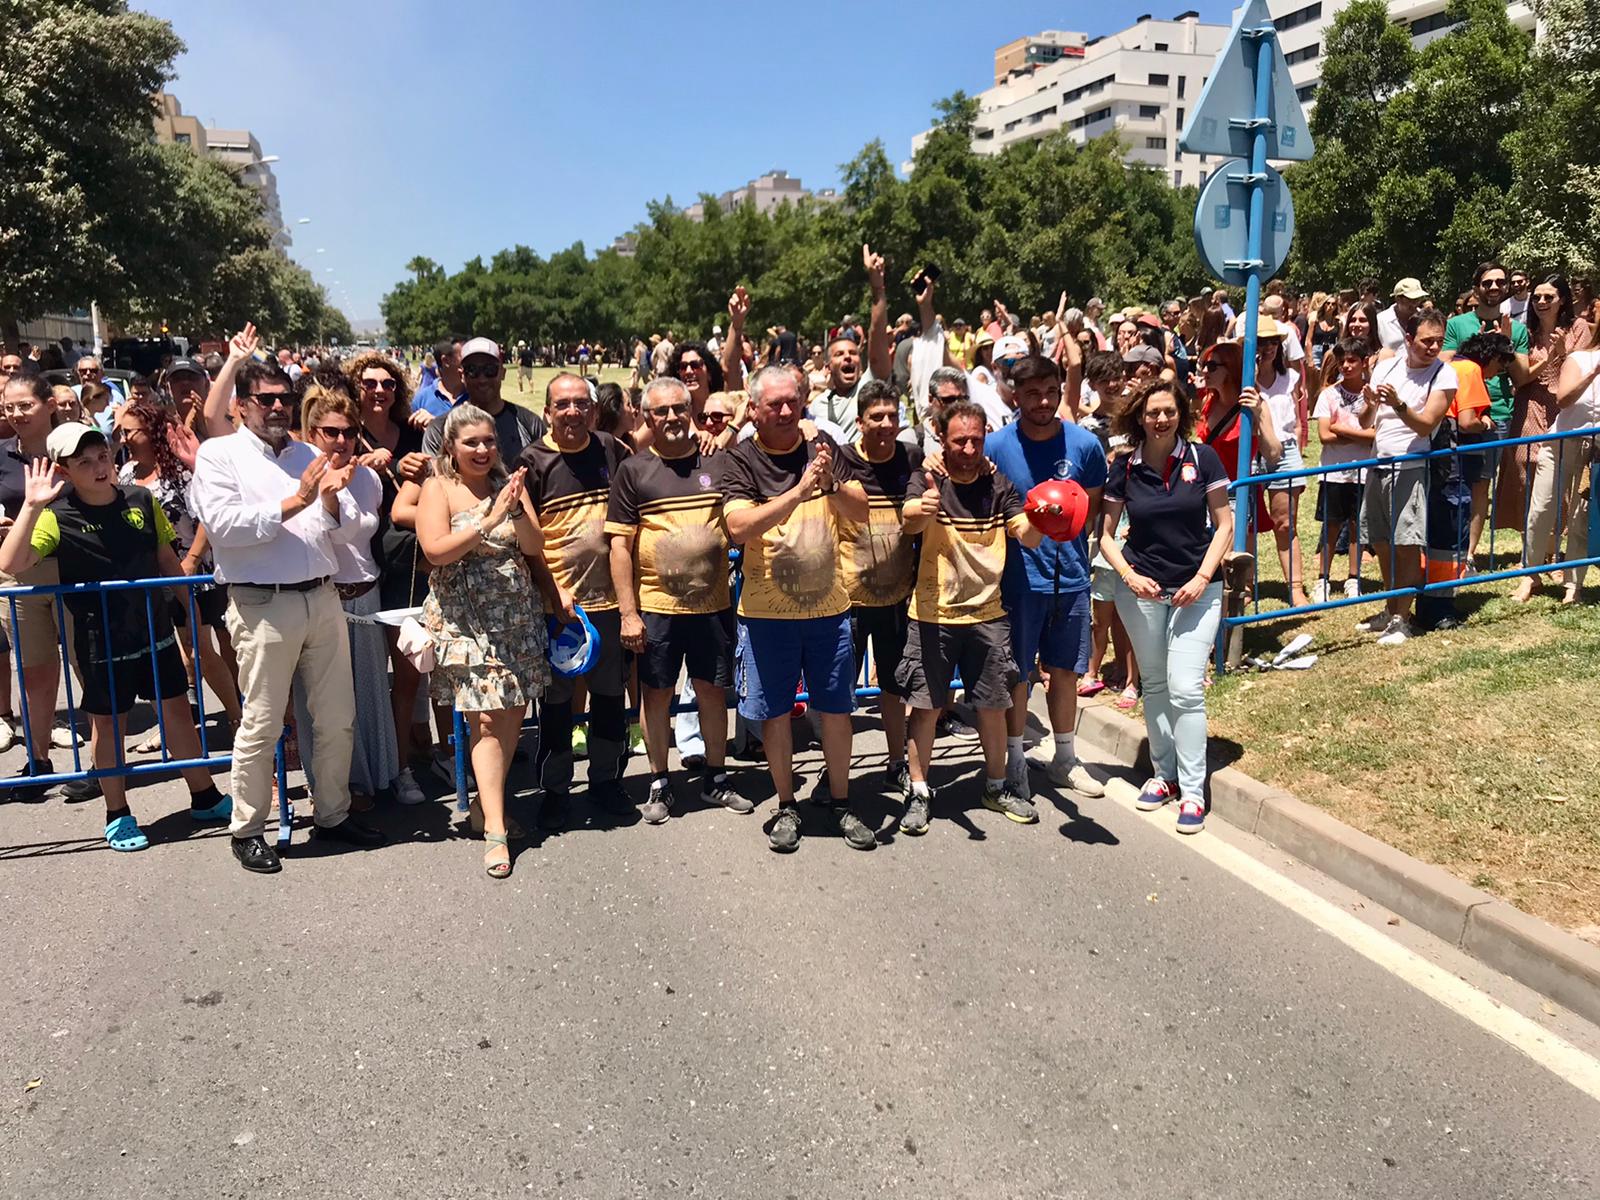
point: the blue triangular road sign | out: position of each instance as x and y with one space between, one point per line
1229 94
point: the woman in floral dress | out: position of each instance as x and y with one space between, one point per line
489 638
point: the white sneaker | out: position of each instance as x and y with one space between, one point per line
1067 773
8 733
1352 588
406 790
1398 633
1319 592
1378 622
63 738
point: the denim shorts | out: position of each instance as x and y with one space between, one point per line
775 654
1050 629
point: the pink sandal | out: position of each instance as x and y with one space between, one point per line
1091 687
1128 699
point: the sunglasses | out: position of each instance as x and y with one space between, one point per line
484 371
670 410
376 385
272 399
1492 283
691 364
337 433
721 418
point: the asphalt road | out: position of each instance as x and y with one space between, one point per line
1080 1008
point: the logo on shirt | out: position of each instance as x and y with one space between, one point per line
1188 474
1064 469
705 482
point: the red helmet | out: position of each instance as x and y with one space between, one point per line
1065 495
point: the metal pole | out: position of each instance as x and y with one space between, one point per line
1261 40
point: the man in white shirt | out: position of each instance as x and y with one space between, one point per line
1408 294
1413 391
274 508
1515 305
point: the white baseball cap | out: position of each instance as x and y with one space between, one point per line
481 345
66 440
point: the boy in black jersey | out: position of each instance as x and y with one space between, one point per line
106 531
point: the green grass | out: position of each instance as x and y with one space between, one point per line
1475 749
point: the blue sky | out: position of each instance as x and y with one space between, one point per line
408 128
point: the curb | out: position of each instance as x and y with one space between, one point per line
1529 950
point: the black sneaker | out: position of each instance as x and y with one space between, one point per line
555 810
1005 799
77 791
856 833
899 776
915 821
609 796
34 793
724 796
657 807
783 835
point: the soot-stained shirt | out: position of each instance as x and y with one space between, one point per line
964 548
672 508
791 570
570 493
879 565
96 542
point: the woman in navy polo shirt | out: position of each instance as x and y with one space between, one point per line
1175 492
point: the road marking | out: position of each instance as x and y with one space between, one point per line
1554 1053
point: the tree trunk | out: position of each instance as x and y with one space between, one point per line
10 331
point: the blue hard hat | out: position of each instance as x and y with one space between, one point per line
573 648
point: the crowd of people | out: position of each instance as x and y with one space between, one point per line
890 493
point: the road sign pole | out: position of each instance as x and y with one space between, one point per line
1261 120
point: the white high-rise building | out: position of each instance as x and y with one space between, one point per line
1138 83
1303 29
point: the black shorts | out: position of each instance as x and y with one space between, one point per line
134 679
981 652
886 625
210 603
703 641
1338 503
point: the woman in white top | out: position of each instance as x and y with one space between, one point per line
1276 388
1563 467
330 422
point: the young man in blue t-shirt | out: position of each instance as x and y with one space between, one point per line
1046 589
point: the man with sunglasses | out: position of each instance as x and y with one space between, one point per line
88 370
669 568
1489 281
273 508
1516 303
482 374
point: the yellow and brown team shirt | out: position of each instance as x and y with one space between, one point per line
964 549
672 508
879 566
570 492
791 571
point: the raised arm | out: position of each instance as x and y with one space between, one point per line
880 354
733 344
215 414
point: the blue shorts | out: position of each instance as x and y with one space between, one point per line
775 654
1052 629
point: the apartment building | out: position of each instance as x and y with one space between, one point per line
236 149
1303 29
1021 56
1137 83
766 193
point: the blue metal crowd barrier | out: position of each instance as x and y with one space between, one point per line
153 590
1460 556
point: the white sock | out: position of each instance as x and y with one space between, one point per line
920 788
1064 747
1014 756
996 784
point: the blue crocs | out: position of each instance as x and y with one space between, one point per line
124 834
220 811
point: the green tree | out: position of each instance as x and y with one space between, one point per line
75 124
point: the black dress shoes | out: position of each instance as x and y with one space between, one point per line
349 831
255 855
